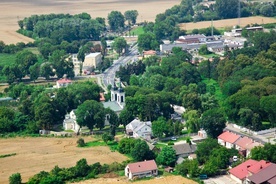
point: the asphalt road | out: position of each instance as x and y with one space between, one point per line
108 75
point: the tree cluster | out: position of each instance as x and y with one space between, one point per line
62 27
137 148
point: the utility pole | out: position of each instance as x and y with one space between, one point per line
239 12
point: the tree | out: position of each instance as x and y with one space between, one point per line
34 71
15 178
25 59
159 127
268 153
131 16
205 148
147 41
166 157
91 114
188 167
203 50
268 104
81 142
104 46
125 117
113 120
46 70
213 121
82 168
192 118
140 151
119 45
107 137
116 20
231 6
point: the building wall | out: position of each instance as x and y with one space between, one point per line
221 142
236 179
92 61
131 175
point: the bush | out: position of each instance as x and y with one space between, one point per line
81 142
15 178
170 143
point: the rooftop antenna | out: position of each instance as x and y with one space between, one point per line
239 12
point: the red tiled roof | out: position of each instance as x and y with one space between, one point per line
267 174
142 166
62 81
149 52
244 142
254 144
259 166
241 171
229 137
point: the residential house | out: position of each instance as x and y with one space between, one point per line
70 122
139 129
240 172
227 139
92 61
247 169
63 83
184 149
149 53
244 145
265 175
141 169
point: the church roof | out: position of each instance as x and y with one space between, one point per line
113 105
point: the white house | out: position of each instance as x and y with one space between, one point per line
70 122
141 169
63 83
228 139
139 129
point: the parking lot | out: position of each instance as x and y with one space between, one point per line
222 179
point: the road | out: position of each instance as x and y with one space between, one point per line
108 75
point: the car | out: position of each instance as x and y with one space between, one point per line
235 158
173 138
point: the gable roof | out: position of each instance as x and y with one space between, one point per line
63 81
243 142
267 174
229 137
184 148
113 106
142 166
241 171
254 144
92 55
259 166
149 52
136 124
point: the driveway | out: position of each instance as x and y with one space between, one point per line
222 179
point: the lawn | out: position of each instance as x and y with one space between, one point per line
137 31
210 55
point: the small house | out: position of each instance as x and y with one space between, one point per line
184 150
63 83
227 139
141 169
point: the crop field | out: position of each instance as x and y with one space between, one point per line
228 23
122 180
29 156
13 10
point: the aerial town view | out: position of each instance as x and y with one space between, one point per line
136 91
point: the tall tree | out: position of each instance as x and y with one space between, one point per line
213 121
116 20
167 156
91 114
131 16
231 6
119 45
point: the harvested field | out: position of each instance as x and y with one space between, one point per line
13 10
228 23
36 154
123 180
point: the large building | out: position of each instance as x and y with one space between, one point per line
92 61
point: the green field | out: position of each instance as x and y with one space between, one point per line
137 31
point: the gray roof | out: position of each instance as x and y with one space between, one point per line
184 148
113 106
267 174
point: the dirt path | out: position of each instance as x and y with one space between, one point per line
13 10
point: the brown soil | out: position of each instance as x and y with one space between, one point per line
123 180
13 10
228 22
36 154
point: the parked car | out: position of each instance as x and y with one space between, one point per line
173 138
